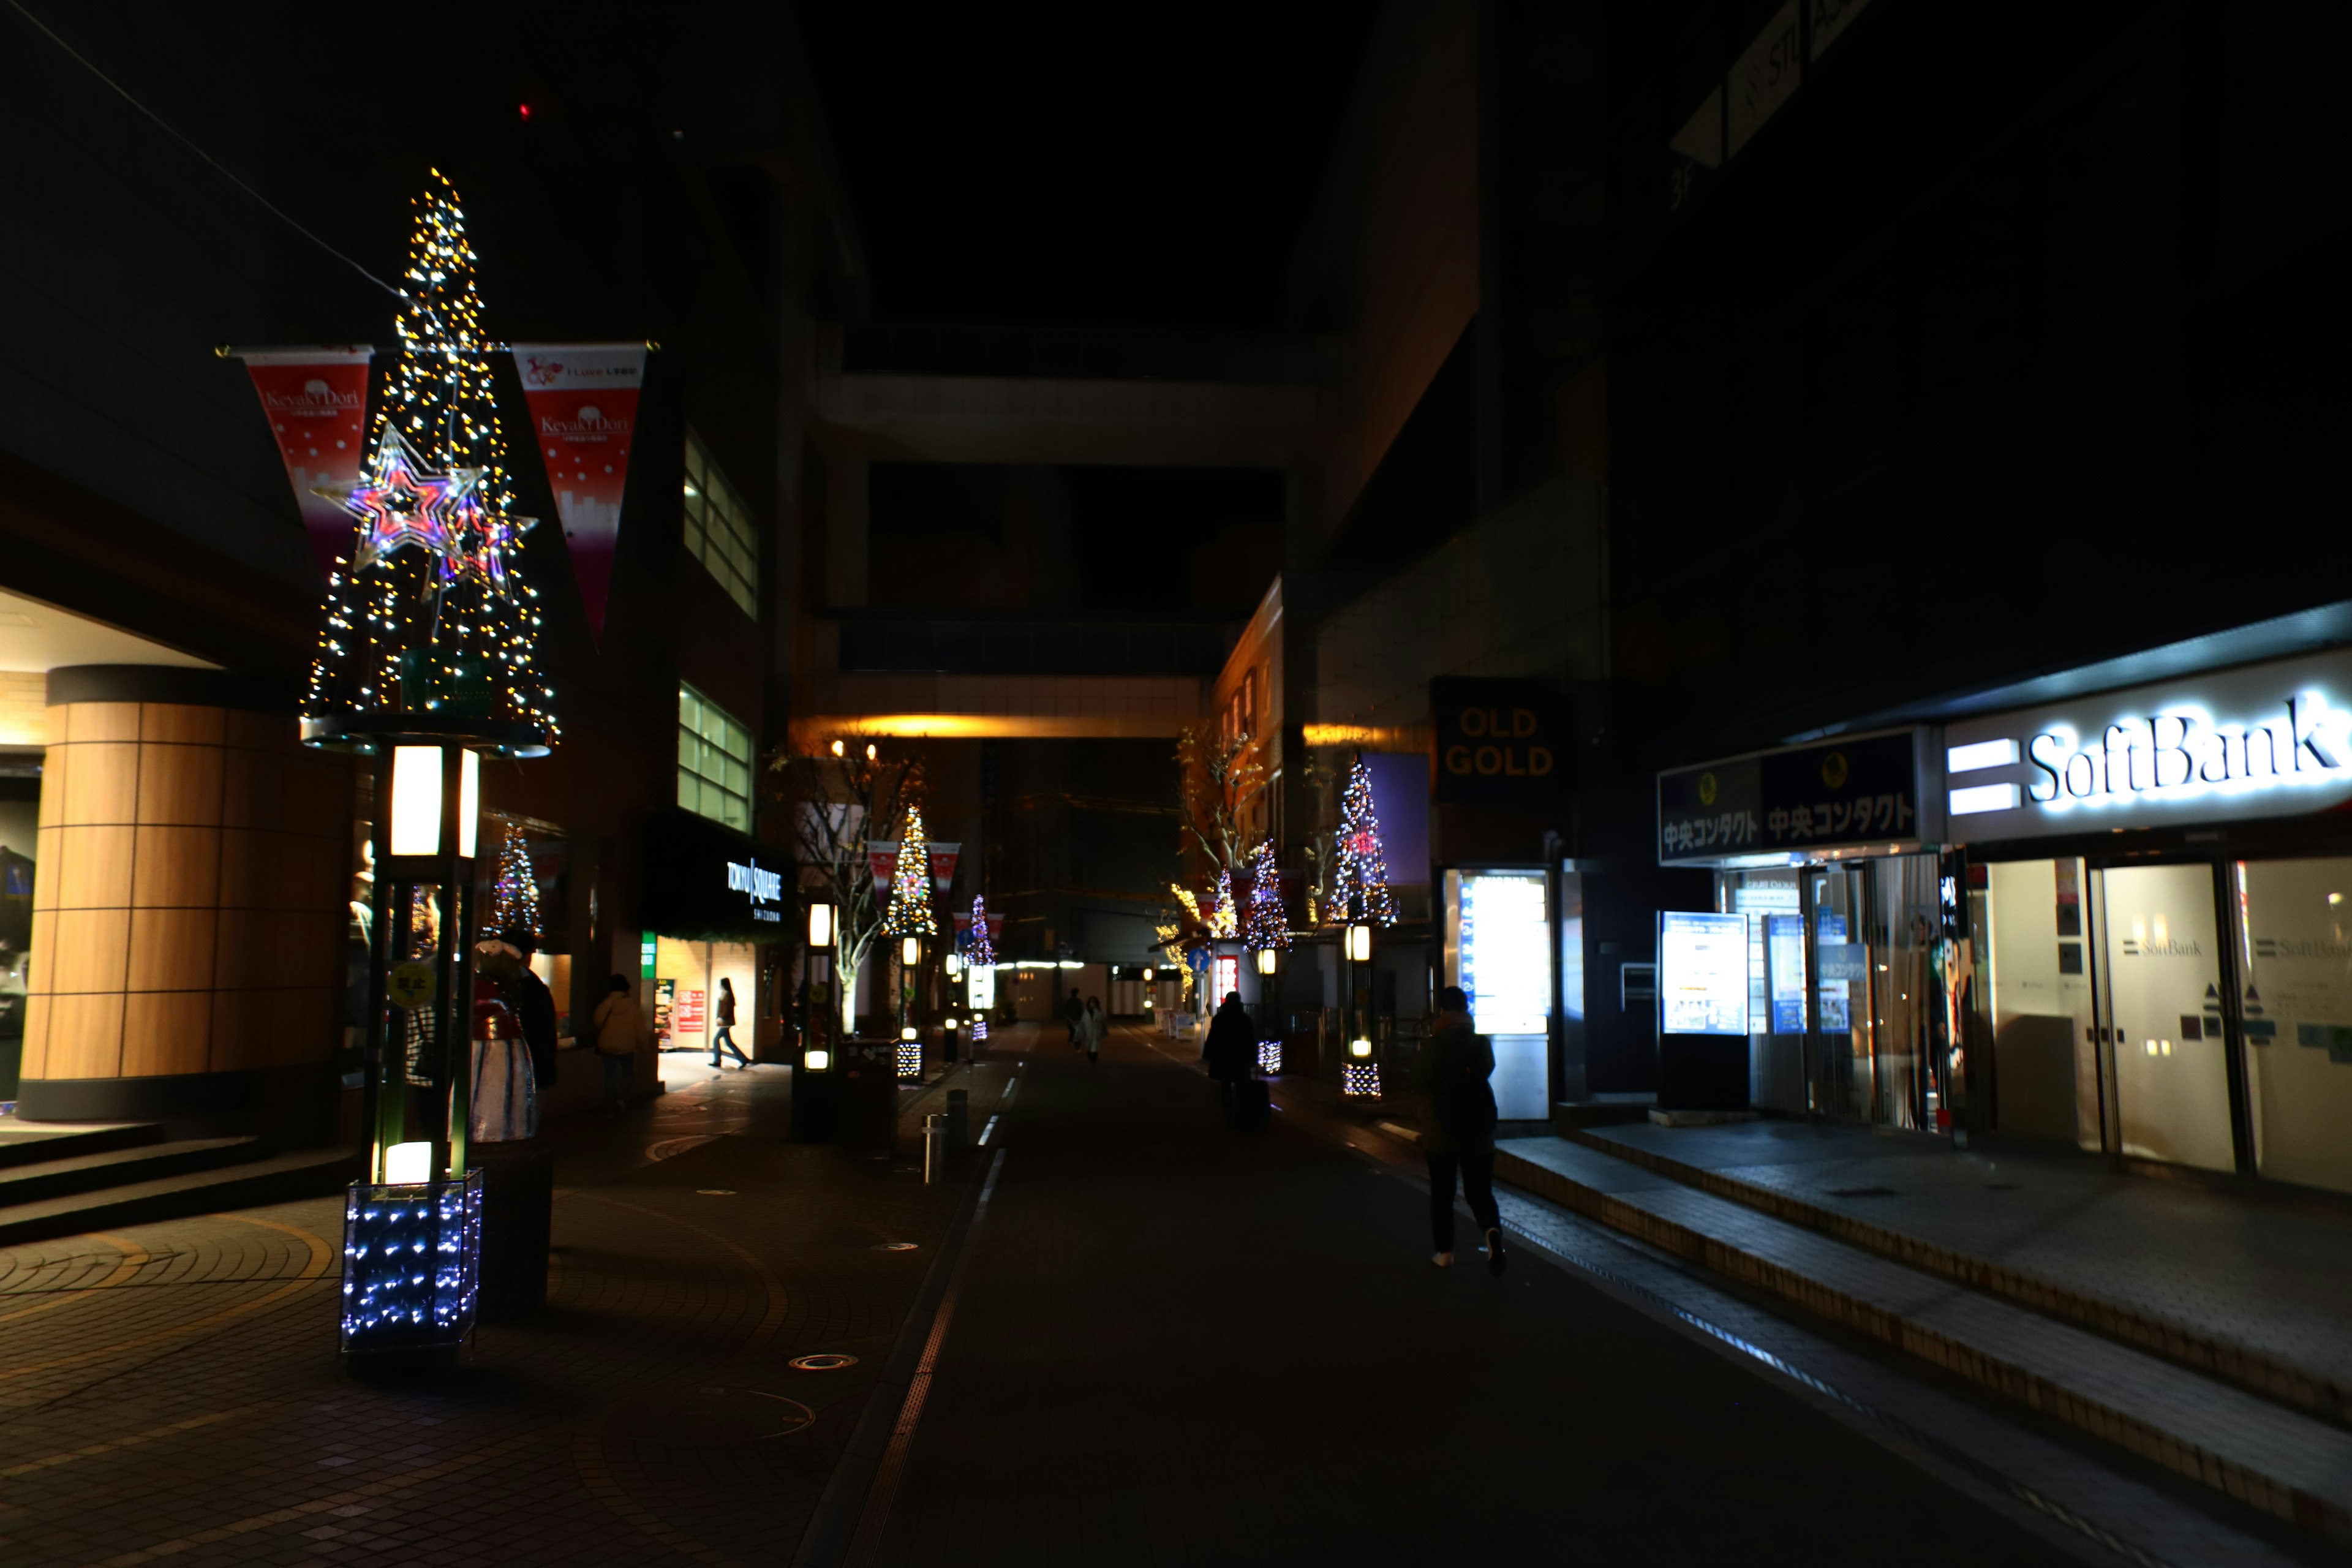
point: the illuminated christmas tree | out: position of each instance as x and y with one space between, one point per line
427 614
911 883
514 892
983 950
1263 922
1359 872
1224 918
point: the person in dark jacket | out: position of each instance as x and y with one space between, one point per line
1073 1014
723 1038
1450 1076
533 1006
1231 1049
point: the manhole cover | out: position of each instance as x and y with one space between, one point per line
668 1148
828 1361
895 1246
1862 1192
716 1192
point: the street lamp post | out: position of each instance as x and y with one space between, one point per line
1362 1073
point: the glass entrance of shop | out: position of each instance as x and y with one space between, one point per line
2163 1006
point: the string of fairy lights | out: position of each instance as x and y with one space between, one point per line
909 913
427 613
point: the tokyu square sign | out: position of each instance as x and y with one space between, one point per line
2265 739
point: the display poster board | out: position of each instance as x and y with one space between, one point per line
1836 960
1506 951
1702 973
664 1005
1229 981
980 989
1784 970
689 1013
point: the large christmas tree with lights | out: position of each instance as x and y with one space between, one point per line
427 615
1360 871
1263 924
909 913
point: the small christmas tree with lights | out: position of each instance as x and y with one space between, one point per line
1224 917
983 950
514 892
1263 922
427 614
1359 872
911 883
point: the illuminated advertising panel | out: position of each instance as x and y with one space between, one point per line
1506 952
1702 973
2265 739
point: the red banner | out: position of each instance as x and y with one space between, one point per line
583 414
882 859
995 928
316 402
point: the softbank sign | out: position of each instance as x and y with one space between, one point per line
761 887
2264 741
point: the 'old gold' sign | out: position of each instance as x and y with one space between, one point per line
1499 743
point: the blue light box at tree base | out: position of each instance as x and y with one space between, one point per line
411 1264
1702 1011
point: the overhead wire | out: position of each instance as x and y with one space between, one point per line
214 163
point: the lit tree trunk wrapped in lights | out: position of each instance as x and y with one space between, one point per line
1264 925
427 614
1359 872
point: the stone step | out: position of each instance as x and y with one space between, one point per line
2192 1346
84 1173
29 1143
273 1179
2278 1459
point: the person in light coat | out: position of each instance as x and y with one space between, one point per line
620 1031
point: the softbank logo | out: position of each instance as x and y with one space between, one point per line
761 887
2181 753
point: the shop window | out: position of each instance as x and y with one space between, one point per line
719 529
714 761
2294 920
2045 1069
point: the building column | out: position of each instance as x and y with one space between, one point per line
190 909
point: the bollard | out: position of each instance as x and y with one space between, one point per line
959 1119
935 1148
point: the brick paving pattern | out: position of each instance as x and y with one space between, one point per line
173 1392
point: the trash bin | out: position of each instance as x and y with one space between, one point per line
869 1094
816 1104
517 1201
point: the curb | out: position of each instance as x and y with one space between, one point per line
2250 1369
2150 1442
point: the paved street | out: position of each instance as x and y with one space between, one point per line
1173 1343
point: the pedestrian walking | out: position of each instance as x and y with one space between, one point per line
1073 1013
620 1033
533 1005
1457 1125
723 1038
1231 1049
1095 1025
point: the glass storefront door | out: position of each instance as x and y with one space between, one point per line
2295 934
2163 990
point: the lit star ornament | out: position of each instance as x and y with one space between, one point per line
403 502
